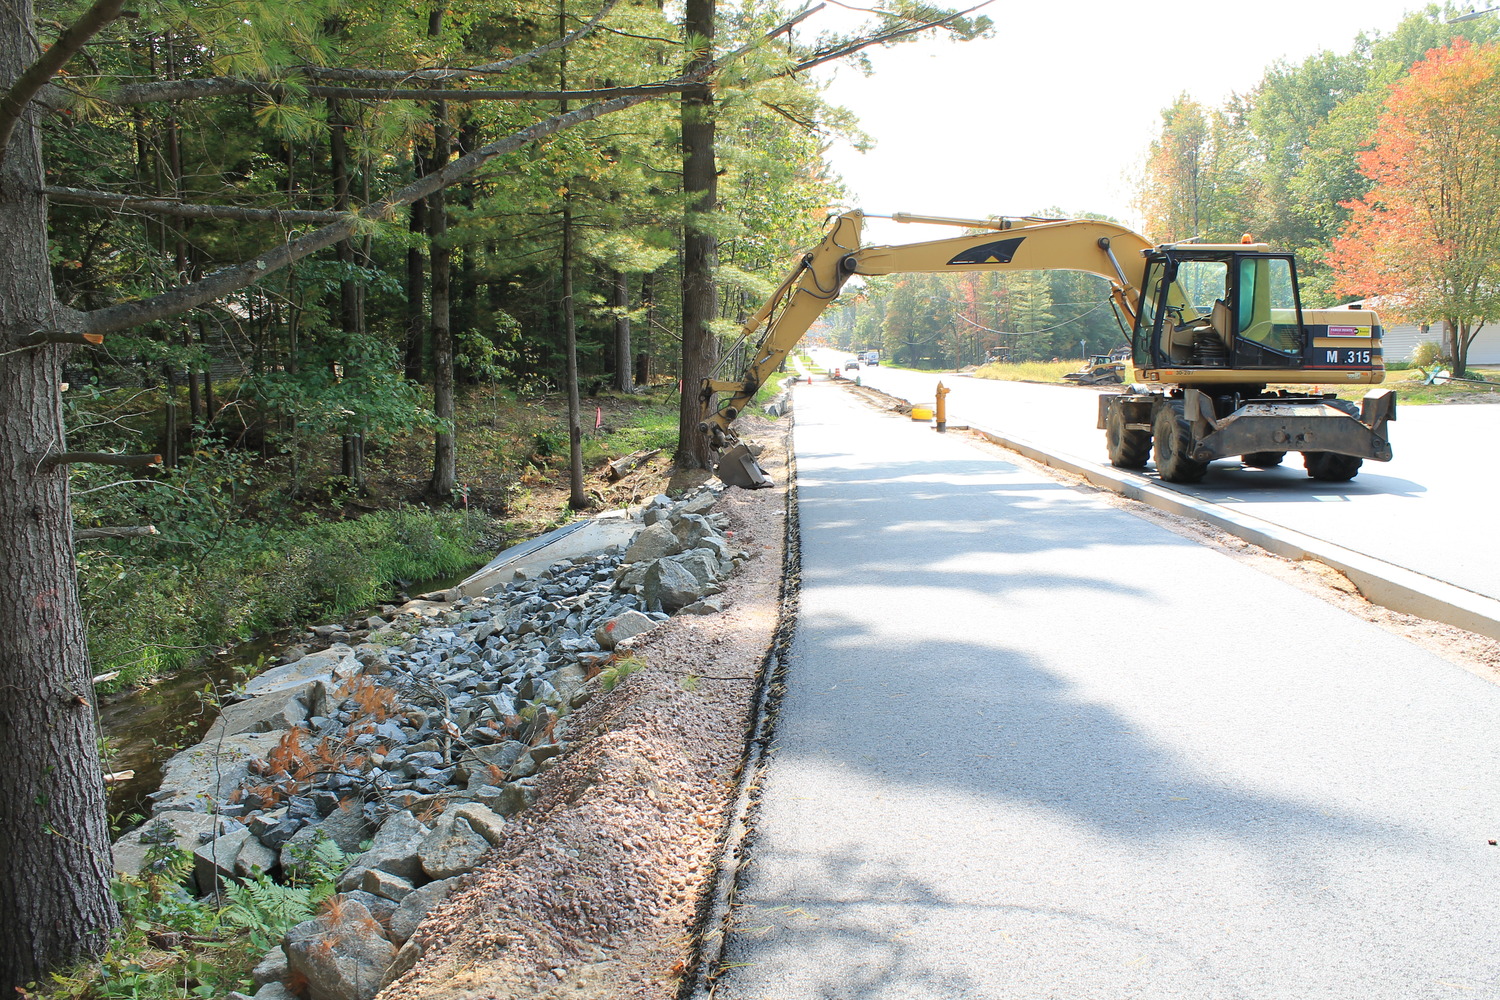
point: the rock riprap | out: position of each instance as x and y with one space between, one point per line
409 750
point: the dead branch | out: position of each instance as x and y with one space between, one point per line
116 533
183 209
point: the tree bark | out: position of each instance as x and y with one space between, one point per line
699 245
577 499
444 456
54 842
624 379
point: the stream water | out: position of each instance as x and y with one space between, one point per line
145 727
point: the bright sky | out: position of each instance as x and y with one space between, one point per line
1058 108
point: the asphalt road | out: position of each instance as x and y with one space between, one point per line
1035 747
1430 509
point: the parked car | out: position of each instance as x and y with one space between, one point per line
851 366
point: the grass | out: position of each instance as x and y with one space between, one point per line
1028 371
1411 390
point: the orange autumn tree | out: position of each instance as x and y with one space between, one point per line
1427 235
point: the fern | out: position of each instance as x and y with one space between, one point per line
266 910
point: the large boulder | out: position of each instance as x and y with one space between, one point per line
281 710
394 849
236 854
622 627
342 953
653 542
415 907
670 586
201 776
452 848
183 829
337 662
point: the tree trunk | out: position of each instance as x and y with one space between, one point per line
700 247
54 840
577 499
444 458
624 382
351 320
416 290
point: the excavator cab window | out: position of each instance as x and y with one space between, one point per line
1267 313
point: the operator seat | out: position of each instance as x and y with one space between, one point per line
1223 323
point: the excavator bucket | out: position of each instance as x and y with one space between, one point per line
737 467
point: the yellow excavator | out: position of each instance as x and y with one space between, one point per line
1211 327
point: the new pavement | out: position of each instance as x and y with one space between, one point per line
1035 747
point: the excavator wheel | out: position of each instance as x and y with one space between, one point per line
1328 466
1263 459
1128 448
1172 445
1331 467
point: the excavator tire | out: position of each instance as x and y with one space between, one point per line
1172 445
1128 448
1331 467
1328 466
1263 459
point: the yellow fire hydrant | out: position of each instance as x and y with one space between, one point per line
942 408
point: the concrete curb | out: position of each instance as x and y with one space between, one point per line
1382 583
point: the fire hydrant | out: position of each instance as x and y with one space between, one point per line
942 408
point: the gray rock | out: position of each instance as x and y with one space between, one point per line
484 821
182 828
254 858
654 542
622 627
699 503
703 564
343 958
395 848
406 958
385 885
380 908
414 908
204 774
501 755
452 848
337 662
278 711
273 968
275 991
511 798
710 605
218 859
669 586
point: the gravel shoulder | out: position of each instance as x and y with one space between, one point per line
598 889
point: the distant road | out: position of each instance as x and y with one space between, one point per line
1432 509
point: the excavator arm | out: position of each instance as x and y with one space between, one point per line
1103 248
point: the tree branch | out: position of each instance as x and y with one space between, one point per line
101 458
60 337
224 86
122 531
819 58
184 210
36 76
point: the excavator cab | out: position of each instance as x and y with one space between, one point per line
1219 307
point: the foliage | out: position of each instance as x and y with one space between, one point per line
1427 235
620 668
